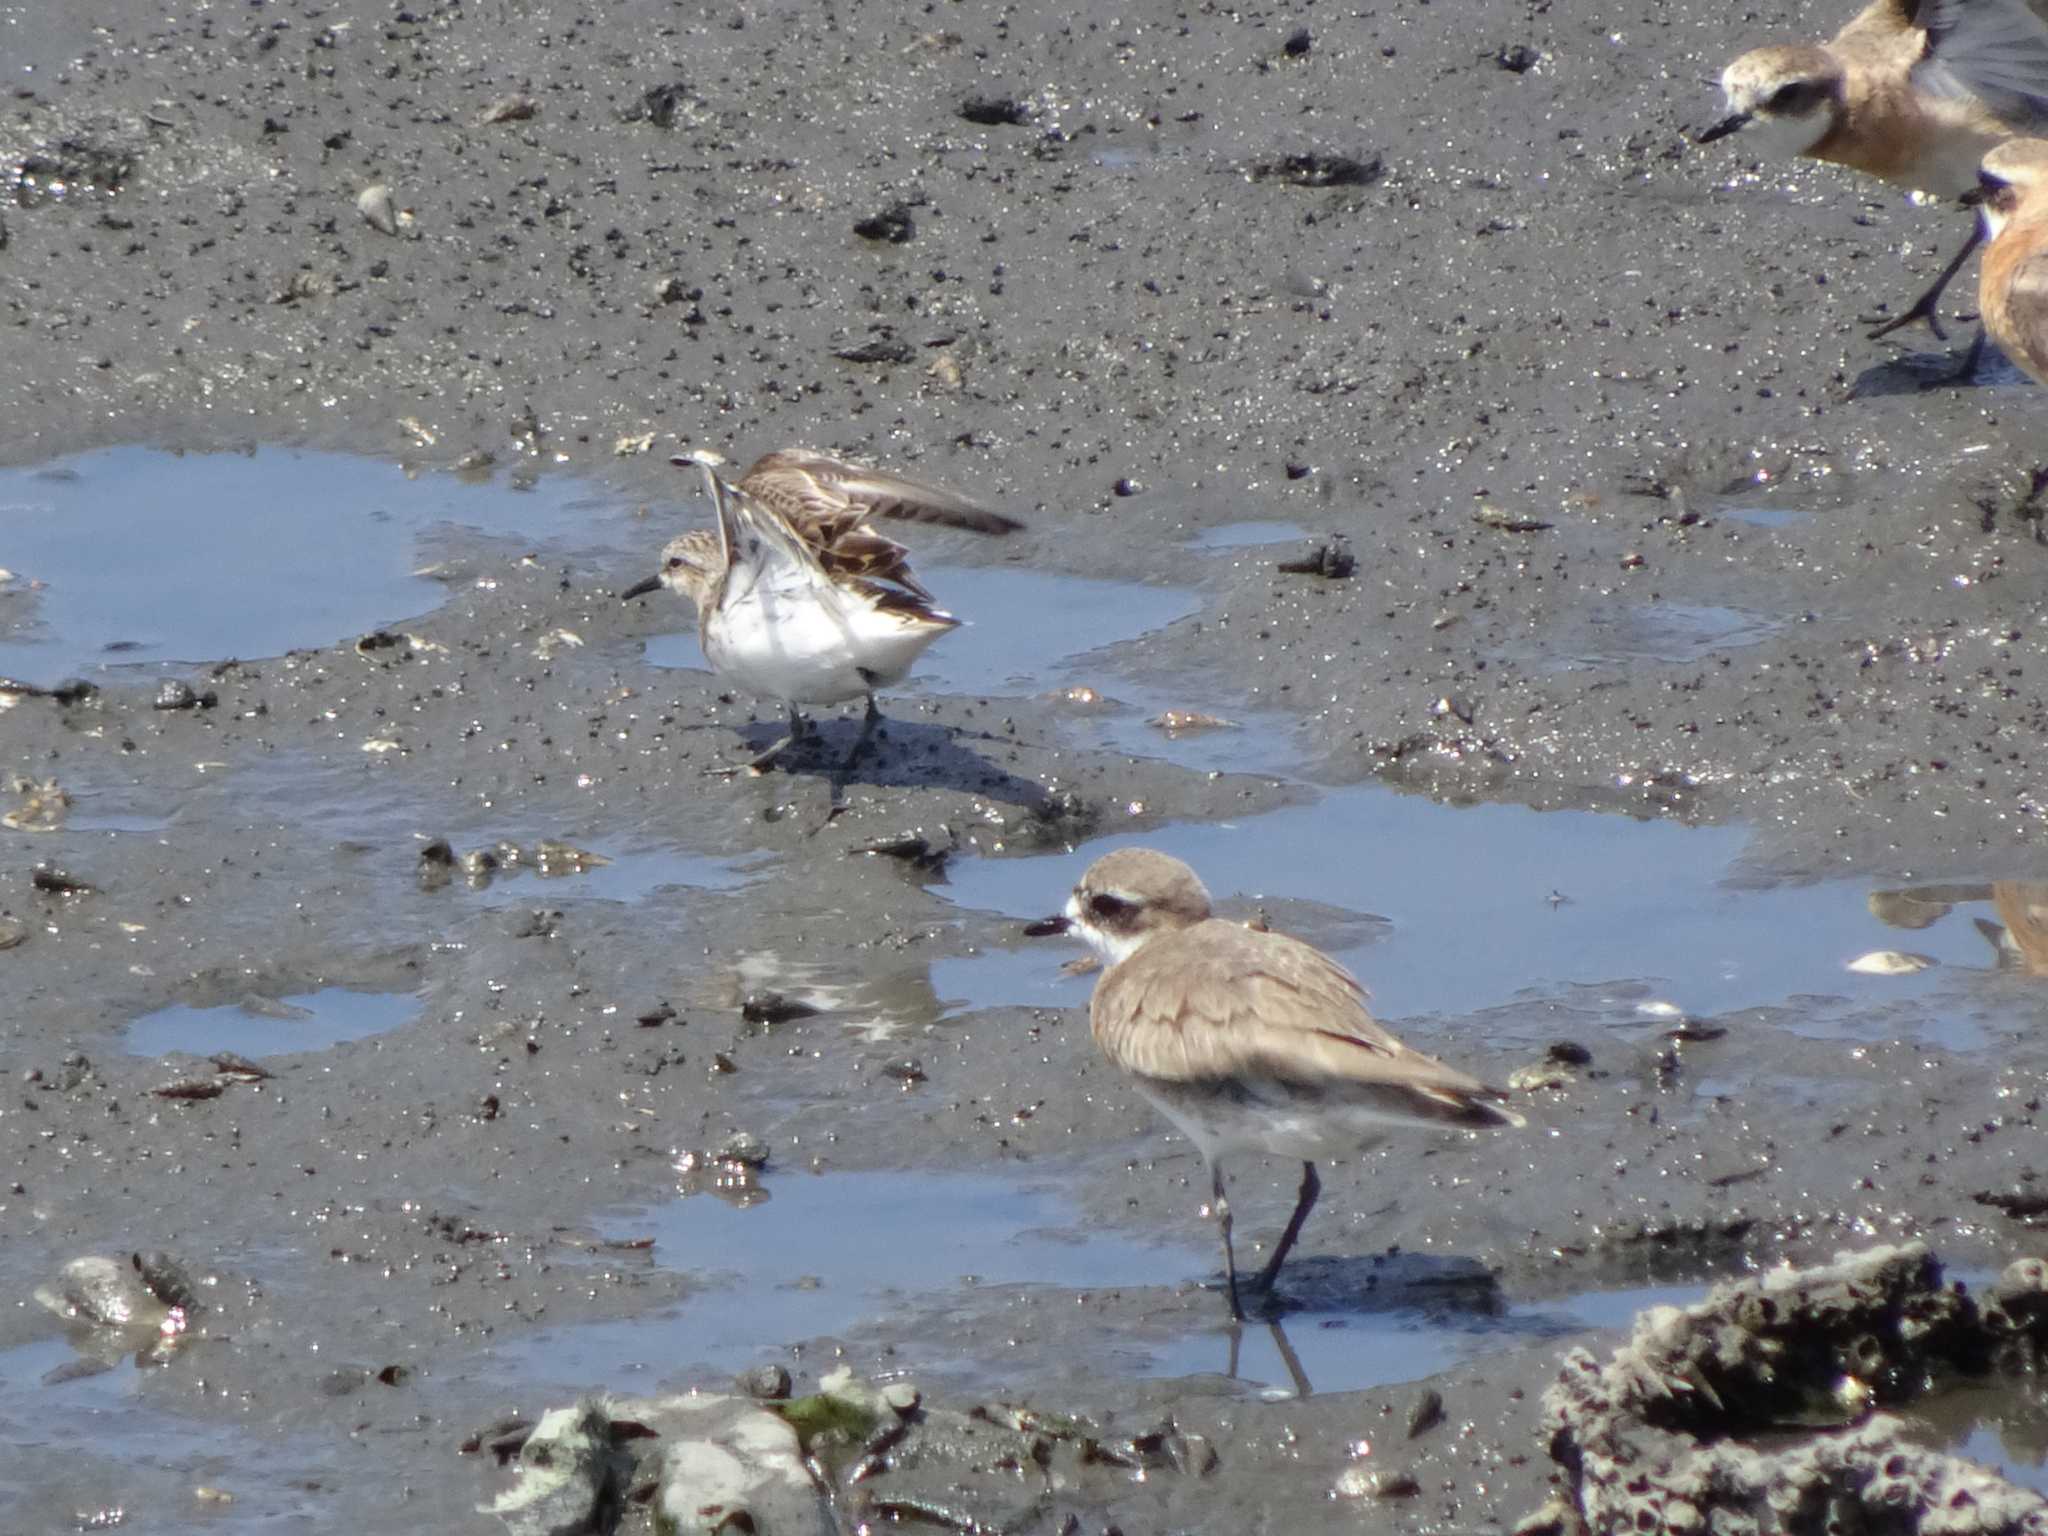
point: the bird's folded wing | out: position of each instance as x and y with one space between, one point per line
2026 303
1218 1002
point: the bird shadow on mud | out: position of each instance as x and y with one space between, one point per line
1917 372
905 754
1437 1285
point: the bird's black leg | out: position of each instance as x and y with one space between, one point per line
1927 306
1221 1207
867 734
1311 1186
799 728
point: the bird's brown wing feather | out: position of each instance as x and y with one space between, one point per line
865 553
836 492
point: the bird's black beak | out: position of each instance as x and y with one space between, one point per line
1723 128
1047 927
641 588
1974 198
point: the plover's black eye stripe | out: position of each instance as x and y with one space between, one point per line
1795 97
1108 906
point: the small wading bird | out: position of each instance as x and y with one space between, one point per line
1249 1041
1913 92
796 596
2012 289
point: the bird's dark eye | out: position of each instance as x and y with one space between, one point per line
675 562
1792 100
1108 906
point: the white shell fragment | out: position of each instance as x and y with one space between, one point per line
381 211
554 640
1890 962
375 204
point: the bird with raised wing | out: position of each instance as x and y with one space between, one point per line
796 596
1913 92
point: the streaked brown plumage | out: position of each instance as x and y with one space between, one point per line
1250 1041
830 502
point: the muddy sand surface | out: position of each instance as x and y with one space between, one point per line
1646 537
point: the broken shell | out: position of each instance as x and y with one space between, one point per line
1890 962
1490 516
509 109
631 443
375 204
554 640
1080 694
1175 720
1544 1074
553 858
101 1291
43 806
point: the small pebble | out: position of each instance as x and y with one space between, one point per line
770 1383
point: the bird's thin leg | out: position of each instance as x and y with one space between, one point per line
799 728
1311 1186
867 734
1927 306
1221 1207
1963 372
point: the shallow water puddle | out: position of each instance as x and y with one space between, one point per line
628 877
307 1021
1998 1424
1493 903
350 801
821 1254
1655 632
94 1440
841 1255
245 554
1324 1349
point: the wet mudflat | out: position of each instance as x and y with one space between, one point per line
1723 775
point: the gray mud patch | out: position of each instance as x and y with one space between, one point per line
1198 295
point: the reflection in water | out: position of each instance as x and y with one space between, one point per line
767 988
2000 1424
1281 1347
2018 940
